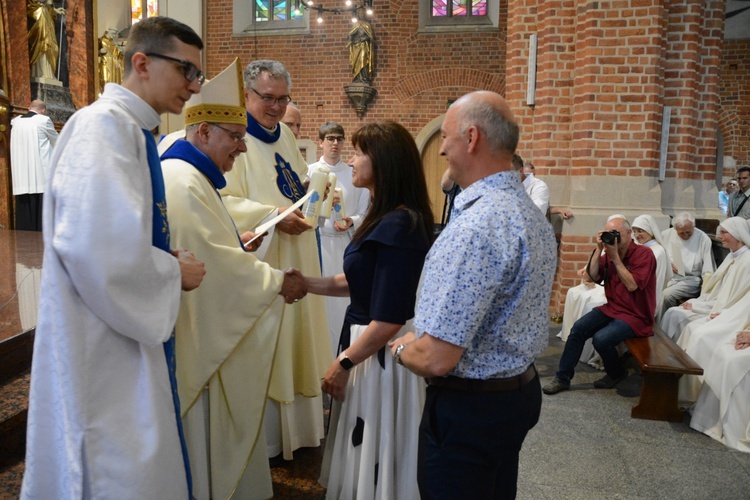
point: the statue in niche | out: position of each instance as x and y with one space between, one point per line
362 50
111 60
43 48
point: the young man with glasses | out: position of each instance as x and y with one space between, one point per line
266 180
335 236
103 411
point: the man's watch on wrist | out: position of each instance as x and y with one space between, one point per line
346 363
397 354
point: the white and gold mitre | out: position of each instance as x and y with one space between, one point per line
221 100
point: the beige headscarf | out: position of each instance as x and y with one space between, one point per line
648 224
739 228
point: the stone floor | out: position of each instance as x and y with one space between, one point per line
585 446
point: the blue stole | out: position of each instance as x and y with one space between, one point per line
185 151
160 239
287 180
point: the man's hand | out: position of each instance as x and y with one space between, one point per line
249 235
688 306
191 269
344 225
674 268
293 223
404 339
294 287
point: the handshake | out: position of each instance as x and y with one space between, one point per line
294 286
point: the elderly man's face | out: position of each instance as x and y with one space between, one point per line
267 100
686 231
293 120
619 226
453 146
224 143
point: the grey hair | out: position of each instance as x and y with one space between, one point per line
501 133
625 223
682 219
275 70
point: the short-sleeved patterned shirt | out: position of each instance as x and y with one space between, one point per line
488 278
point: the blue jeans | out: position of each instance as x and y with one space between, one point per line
606 333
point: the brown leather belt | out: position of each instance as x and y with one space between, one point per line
491 385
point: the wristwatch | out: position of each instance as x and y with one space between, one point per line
346 363
397 354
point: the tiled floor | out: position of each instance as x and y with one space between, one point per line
585 446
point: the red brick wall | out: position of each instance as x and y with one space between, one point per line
605 71
734 77
417 74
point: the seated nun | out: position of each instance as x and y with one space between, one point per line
723 288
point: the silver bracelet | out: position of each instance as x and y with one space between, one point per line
397 354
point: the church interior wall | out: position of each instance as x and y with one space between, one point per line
605 73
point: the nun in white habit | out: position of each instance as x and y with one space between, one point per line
723 289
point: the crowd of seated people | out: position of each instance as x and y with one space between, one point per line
717 337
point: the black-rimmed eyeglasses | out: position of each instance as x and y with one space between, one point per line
237 138
188 69
271 100
334 138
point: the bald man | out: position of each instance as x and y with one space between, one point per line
628 273
293 119
481 317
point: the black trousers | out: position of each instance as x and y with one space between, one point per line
29 212
469 442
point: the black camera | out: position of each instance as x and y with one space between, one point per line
611 237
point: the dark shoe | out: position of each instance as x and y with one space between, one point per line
555 386
607 382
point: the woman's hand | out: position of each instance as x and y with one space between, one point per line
334 382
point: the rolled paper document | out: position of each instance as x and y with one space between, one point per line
317 187
325 211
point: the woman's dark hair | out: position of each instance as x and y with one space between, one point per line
399 177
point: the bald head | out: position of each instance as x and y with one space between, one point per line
622 226
480 135
491 115
38 106
293 119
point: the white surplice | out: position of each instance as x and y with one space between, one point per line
101 415
32 139
333 243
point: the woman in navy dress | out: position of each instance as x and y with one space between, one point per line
371 448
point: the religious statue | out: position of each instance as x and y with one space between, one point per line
111 61
43 48
362 51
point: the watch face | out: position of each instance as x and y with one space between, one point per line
346 363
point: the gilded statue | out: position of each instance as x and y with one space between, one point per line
362 51
43 48
111 61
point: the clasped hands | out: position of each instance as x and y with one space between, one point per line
294 287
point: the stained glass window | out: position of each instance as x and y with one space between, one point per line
459 8
283 10
141 9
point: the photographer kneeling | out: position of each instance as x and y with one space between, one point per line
627 272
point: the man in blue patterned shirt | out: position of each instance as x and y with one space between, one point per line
481 317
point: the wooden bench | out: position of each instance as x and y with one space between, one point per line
662 364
